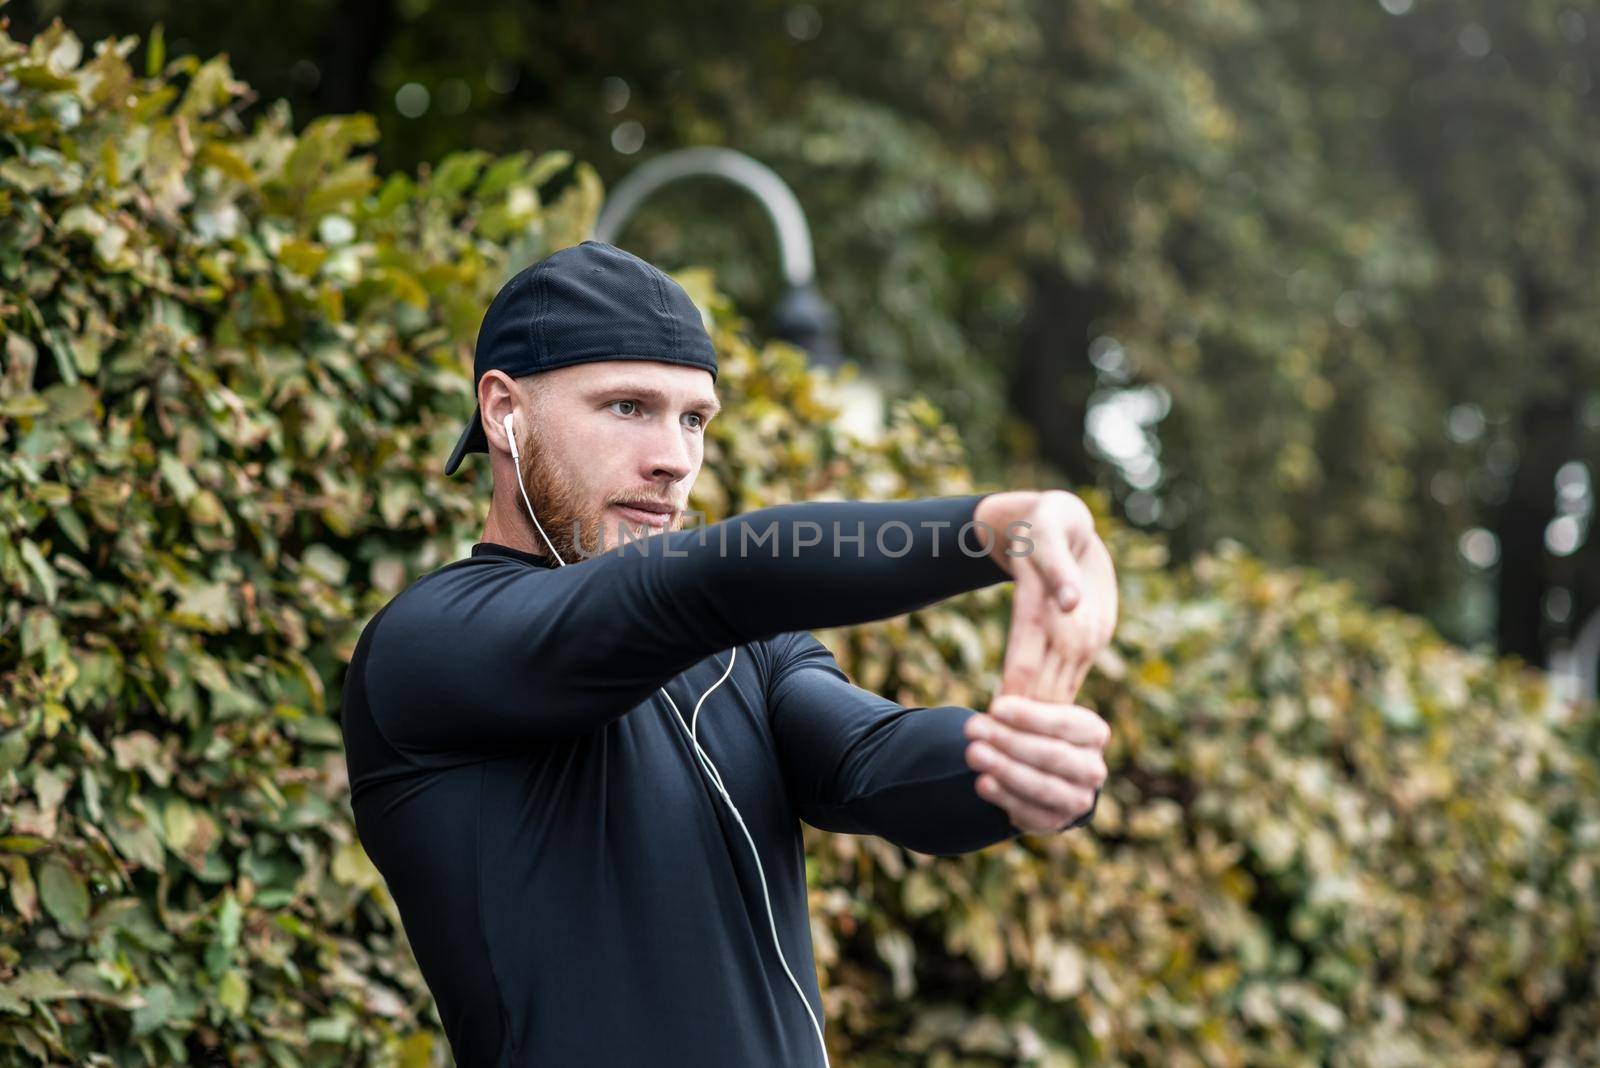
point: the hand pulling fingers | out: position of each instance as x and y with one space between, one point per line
1030 784
1026 817
1083 765
1073 723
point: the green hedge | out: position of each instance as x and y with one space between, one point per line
234 361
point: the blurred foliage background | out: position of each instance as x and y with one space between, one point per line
1317 277
237 347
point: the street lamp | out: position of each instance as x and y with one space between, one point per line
803 317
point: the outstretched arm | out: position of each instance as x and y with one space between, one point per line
482 657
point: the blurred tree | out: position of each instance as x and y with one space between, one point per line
1497 138
1313 277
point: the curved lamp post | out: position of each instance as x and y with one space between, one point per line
803 316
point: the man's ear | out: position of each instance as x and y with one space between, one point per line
498 396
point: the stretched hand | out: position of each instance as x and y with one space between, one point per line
1040 756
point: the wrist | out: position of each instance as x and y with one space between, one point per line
997 512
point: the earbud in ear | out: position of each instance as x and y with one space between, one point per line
516 460
511 436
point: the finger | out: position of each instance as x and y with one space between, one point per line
1063 687
1025 816
1025 643
1108 625
1069 517
1072 723
1079 677
1073 517
1054 676
1071 646
1084 765
1099 561
1100 629
1053 559
1101 634
1076 632
1030 784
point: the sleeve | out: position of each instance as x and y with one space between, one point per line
482 658
859 763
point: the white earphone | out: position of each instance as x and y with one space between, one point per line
516 461
700 754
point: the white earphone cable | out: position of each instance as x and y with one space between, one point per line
772 923
700 755
516 461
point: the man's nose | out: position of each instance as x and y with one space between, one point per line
668 459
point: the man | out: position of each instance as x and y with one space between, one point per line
580 760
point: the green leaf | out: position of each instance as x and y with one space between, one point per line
548 165
13 750
65 896
228 922
135 839
26 844
181 824
233 992
35 984
156 52
351 867
502 173
327 565
334 1029
159 1007
455 173
24 891
177 477
228 160
43 573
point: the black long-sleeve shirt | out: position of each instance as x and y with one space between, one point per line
574 890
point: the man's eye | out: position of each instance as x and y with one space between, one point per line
632 406
698 420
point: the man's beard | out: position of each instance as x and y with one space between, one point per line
556 502
576 532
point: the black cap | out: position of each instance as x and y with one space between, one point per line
589 302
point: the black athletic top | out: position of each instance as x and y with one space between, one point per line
573 887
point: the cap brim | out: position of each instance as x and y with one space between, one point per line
472 440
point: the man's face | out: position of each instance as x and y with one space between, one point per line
611 449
